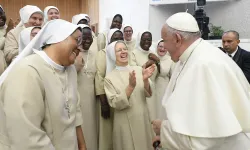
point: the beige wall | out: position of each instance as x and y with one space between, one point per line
67 8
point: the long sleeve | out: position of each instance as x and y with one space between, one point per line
174 141
79 120
2 42
133 60
24 107
100 72
117 98
101 41
10 47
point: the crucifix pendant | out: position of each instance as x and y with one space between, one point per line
67 107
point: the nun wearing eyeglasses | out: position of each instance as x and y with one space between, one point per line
105 113
126 88
85 64
30 16
44 113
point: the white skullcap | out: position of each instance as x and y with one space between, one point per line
183 21
27 11
46 10
110 34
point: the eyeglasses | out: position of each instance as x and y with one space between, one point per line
128 31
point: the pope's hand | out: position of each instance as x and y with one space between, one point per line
157 126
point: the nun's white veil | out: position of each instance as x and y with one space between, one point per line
53 32
26 12
46 10
24 38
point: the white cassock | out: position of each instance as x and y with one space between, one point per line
207 102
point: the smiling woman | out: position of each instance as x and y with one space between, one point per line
126 88
50 110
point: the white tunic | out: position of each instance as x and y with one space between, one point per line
207 102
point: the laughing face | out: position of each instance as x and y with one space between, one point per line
146 41
69 48
161 51
121 53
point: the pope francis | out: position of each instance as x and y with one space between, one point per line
207 100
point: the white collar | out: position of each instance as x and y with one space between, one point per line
234 52
48 60
122 68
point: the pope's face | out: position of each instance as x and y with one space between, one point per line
170 43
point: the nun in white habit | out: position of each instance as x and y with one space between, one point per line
26 36
51 13
81 19
85 64
47 113
30 16
139 57
207 102
105 113
126 88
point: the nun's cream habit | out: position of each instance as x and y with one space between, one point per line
12 38
207 100
132 127
24 38
138 58
86 88
2 41
43 112
46 10
105 125
162 80
131 44
79 17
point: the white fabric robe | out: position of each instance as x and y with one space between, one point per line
86 88
105 125
36 115
131 47
161 83
139 58
207 102
12 43
131 125
3 64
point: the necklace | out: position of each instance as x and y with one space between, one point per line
65 93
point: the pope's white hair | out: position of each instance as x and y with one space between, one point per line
185 35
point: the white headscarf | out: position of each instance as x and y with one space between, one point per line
111 58
110 34
46 10
138 41
126 25
24 37
26 12
77 18
53 32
